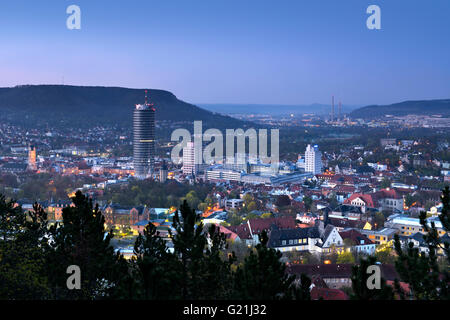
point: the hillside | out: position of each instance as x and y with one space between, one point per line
422 107
111 105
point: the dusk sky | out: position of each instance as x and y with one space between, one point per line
234 51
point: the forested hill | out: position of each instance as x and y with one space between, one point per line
76 104
420 107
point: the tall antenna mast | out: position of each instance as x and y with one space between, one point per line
332 108
145 96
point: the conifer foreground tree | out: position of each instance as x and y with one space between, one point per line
23 245
82 240
202 271
195 269
198 268
421 270
263 276
361 290
151 275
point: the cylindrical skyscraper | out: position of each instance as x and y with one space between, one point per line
143 139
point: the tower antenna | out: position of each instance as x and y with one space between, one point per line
146 96
332 108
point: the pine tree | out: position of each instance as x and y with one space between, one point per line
216 268
203 272
12 219
196 269
153 272
82 240
23 245
360 288
189 243
263 277
420 269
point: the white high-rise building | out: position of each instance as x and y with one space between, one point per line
313 159
189 163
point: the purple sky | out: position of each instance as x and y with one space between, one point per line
286 52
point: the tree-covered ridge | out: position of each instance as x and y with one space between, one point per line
109 105
422 107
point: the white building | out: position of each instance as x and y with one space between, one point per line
234 203
223 174
313 159
190 165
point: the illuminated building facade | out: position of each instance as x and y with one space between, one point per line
32 158
144 139
190 163
313 159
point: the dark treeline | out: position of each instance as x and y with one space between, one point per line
156 194
34 258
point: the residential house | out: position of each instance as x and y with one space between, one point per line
383 200
361 243
382 236
408 226
249 231
297 239
331 240
337 276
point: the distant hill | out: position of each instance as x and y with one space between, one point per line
275 109
422 107
76 104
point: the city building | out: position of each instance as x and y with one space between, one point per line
163 173
382 236
32 158
144 139
360 242
383 200
313 159
296 239
407 226
190 163
219 173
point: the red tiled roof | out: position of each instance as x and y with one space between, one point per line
367 198
388 193
324 270
228 233
403 285
346 223
344 188
371 199
343 270
260 224
355 236
328 294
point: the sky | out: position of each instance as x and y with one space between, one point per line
234 51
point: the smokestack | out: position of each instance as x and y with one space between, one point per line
332 108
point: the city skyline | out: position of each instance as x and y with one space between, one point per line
256 52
